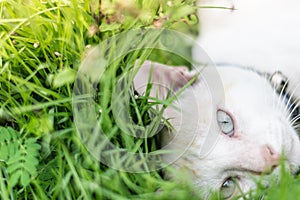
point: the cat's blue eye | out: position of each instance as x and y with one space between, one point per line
228 188
225 123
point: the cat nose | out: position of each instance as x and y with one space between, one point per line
271 158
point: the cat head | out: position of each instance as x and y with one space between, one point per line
238 137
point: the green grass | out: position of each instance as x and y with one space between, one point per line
42 45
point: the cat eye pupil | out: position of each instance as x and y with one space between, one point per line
225 123
228 188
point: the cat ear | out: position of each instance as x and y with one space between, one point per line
279 81
163 79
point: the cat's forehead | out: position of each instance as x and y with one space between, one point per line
235 77
244 86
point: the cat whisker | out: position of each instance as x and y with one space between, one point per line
294 120
282 95
294 90
295 103
297 126
292 108
284 106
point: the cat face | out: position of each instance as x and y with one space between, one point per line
253 132
250 128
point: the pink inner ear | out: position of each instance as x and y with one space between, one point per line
180 76
164 78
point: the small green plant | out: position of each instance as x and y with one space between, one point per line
19 157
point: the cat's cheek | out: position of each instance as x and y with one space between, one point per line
247 184
293 155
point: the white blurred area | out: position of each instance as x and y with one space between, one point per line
260 33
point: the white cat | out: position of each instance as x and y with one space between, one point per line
246 131
244 134
260 34
241 133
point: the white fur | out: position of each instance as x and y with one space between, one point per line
260 121
262 129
